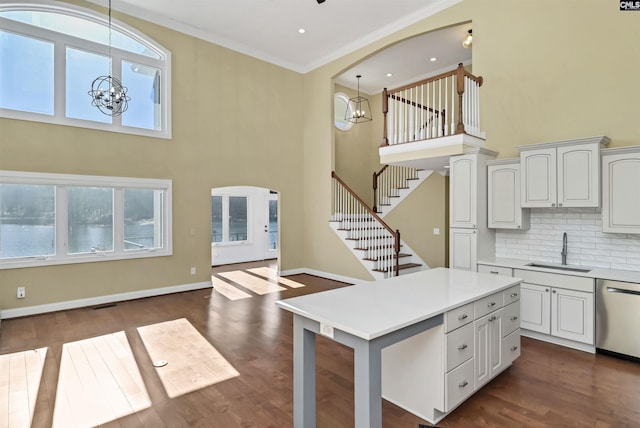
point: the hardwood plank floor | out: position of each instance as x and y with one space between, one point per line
548 386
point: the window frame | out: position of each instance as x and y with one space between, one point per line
62 41
118 184
225 219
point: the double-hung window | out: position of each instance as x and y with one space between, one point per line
50 54
50 219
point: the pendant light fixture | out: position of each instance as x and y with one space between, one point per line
107 93
358 109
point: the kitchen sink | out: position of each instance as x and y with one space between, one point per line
559 267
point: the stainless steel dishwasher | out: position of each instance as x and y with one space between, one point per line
618 318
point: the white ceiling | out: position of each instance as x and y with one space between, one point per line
268 30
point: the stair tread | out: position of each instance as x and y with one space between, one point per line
401 267
388 257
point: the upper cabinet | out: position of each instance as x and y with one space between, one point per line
561 174
503 183
620 190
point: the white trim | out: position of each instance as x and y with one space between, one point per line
327 275
558 341
101 300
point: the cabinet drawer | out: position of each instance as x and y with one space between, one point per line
458 317
511 318
511 295
511 347
487 304
496 270
459 345
458 385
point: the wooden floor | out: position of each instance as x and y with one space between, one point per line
228 355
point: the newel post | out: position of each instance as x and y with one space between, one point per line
396 247
375 191
460 89
385 110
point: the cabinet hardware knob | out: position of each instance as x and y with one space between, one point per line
560 204
513 348
518 226
514 294
463 384
553 205
495 272
513 318
491 304
462 317
553 291
493 318
462 347
546 290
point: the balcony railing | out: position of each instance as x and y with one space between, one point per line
442 105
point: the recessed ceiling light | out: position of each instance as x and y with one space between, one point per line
302 31
389 74
433 59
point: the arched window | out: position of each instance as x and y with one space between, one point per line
51 52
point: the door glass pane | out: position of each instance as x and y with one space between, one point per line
26 80
143 86
90 219
273 225
142 218
237 218
27 220
82 68
216 219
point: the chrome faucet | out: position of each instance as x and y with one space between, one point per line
564 248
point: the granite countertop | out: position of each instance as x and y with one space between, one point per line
596 273
377 308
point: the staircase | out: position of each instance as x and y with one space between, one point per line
394 183
377 246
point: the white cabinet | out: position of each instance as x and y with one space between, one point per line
488 347
463 190
468 209
463 253
503 182
558 305
621 190
563 174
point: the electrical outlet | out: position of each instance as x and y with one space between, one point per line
193 270
22 293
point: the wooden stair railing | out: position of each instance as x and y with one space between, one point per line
388 181
411 111
380 242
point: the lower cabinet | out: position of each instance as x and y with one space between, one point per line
431 373
561 306
463 249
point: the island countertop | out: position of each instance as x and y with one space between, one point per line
374 309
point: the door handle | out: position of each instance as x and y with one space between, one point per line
622 290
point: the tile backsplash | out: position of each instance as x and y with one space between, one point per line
587 244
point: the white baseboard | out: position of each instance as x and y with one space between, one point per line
558 341
100 300
322 274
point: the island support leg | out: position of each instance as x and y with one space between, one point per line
367 385
304 375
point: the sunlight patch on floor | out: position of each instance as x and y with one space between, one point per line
273 274
228 290
99 381
20 375
192 362
251 282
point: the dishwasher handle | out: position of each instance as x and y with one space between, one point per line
622 290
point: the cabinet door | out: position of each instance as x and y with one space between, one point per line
503 208
488 347
463 192
538 180
463 249
579 175
621 193
572 315
535 307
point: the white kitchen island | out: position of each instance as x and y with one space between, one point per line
424 341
